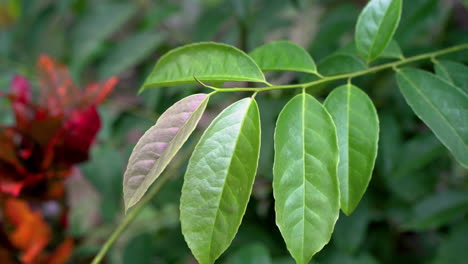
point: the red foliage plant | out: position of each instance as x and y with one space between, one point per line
38 152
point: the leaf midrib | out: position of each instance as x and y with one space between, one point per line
303 172
348 98
224 185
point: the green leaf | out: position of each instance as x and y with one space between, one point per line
392 51
376 26
340 64
442 106
350 231
208 61
389 142
305 183
96 26
453 72
253 253
438 210
411 177
453 248
357 127
283 56
159 144
219 180
129 52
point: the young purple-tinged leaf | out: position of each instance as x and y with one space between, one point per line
219 180
441 105
159 144
305 182
357 127
207 61
376 26
283 56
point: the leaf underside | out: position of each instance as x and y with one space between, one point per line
159 144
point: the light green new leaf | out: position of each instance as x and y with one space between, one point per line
442 106
283 56
376 26
207 61
129 52
340 64
219 180
305 183
357 127
159 144
453 72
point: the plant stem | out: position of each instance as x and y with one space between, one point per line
348 75
130 217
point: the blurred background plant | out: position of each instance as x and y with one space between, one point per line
415 210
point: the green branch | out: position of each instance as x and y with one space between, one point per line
347 75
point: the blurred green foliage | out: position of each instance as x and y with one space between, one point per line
415 210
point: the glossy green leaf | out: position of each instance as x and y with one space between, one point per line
453 72
442 106
340 64
438 210
283 56
159 144
129 52
219 180
357 127
305 182
207 61
376 26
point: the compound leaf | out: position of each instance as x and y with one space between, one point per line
283 56
219 180
207 61
305 183
376 26
357 127
442 106
159 144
